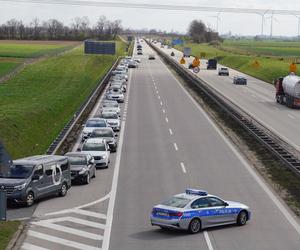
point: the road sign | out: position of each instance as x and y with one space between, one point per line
3 205
95 47
293 67
177 42
196 70
196 62
182 61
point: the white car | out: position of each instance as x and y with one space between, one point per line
99 149
112 119
92 124
111 107
115 95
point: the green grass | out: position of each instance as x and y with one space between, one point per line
37 103
7 230
28 50
269 69
8 64
266 48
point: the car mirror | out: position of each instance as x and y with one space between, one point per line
35 177
226 204
78 149
92 161
116 135
82 125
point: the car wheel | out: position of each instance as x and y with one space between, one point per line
242 218
29 199
195 226
87 178
63 190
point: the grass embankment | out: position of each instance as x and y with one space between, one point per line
14 53
37 103
269 68
7 230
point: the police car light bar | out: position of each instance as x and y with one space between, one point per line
196 192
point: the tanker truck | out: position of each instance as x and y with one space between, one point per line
288 90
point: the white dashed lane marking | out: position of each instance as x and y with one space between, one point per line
183 167
167 120
170 131
175 146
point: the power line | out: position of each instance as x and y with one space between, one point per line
158 6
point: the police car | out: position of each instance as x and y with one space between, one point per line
196 209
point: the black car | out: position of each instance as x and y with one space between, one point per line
240 80
83 167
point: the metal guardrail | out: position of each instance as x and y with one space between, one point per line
274 144
56 144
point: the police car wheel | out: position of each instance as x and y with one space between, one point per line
29 199
242 218
195 226
63 190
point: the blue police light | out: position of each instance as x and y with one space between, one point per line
196 192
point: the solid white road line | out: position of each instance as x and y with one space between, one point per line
60 241
167 120
170 131
27 246
175 146
113 192
291 116
256 177
207 239
183 167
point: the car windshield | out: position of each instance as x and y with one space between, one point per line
16 171
102 133
109 116
178 202
77 160
93 147
95 124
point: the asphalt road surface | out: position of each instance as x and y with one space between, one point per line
257 98
169 145
166 144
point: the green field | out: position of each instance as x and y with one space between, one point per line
8 64
37 103
7 230
269 67
24 49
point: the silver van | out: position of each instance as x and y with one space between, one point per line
35 177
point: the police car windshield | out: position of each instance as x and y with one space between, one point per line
16 171
77 160
95 124
178 202
94 147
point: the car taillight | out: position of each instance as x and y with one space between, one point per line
175 214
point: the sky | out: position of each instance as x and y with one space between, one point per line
238 24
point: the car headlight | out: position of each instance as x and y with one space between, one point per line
21 187
104 157
82 171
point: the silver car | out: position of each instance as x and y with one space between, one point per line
196 209
113 120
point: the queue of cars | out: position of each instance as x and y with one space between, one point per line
31 178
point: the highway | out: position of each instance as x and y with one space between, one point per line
167 143
257 99
171 144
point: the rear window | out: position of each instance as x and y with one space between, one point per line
178 202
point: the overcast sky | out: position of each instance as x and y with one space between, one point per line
241 24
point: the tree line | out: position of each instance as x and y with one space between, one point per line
199 33
53 29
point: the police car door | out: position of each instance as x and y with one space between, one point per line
202 209
222 214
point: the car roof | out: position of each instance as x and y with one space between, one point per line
39 159
106 128
96 119
95 140
193 196
109 113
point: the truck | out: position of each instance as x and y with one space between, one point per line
187 52
212 64
288 90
